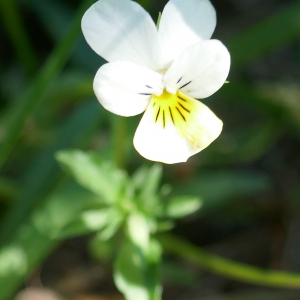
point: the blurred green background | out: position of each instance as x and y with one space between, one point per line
248 179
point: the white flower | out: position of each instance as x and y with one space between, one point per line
160 71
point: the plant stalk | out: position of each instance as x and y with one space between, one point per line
228 268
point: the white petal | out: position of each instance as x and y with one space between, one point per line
184 23
200 70
174 128
124 88
122 30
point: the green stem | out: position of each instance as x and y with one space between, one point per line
17 33
51 69
227 267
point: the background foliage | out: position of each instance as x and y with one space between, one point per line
246 182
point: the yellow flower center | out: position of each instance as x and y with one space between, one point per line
170 108
183 112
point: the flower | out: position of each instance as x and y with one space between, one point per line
161 71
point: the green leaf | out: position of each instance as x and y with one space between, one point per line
165 226
12 260
147 181
135 274
154 251
129 273
154 255
181 206
152 180
138 230
100 249
139 177
112 227
62 209
74 229
95 174
97 219
165 190
89 221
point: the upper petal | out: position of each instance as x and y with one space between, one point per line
184 23
124 88
122 30
175 128
200 70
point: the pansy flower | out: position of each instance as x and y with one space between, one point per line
159 71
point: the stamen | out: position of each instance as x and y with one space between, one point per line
164 120
145 94
150 87
154 104
185 84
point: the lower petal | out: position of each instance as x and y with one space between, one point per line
175 127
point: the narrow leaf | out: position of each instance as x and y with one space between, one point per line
95 174
181 206
138 230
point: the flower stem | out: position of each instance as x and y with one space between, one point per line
44 78
227 267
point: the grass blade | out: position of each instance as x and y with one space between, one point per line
44 172
16 30
273 32
51 69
